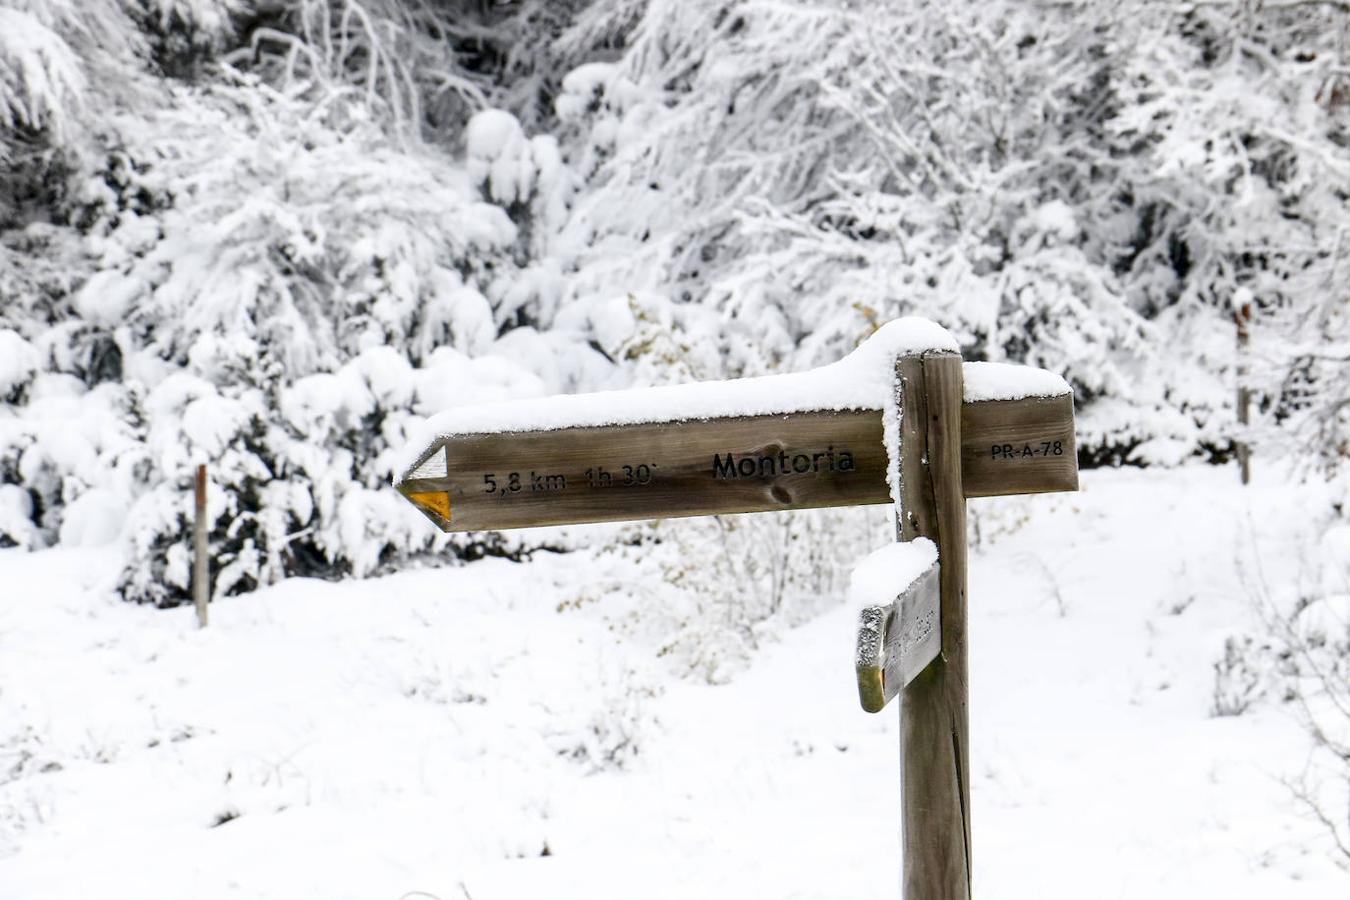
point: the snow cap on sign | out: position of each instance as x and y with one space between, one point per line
1005 381
860 380
882 575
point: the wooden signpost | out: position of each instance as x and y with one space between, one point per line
954 442
478 482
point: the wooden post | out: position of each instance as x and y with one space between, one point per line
201 574
1242 315
934 718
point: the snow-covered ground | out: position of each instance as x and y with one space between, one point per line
480 732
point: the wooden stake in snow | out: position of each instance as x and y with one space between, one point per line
1242 316
900 420
201 572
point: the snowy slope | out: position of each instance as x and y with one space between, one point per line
480 732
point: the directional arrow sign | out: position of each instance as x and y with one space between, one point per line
483 480
804 439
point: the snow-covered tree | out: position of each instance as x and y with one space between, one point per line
267 270
1077 186
268 235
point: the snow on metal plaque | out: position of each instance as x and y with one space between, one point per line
897 641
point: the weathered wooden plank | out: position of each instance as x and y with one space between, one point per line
744 464
750 464
897 641
934 719
1018 446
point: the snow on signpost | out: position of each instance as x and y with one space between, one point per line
900 420
812 439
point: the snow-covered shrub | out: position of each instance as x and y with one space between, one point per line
1042 181
313 290
1301 659
42 86
265 282
337 216
423 68
40 77
706 593
609 733
1239 678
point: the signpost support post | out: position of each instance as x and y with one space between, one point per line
934 716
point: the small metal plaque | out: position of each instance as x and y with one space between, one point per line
897 641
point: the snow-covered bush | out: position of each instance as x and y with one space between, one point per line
257 277
316 290
1045 182
1301 658
1239 680
268 236
40 76
709 592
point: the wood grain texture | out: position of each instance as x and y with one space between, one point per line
747 464
1018 447
934 717
682 476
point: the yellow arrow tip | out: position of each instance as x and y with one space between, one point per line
437 502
